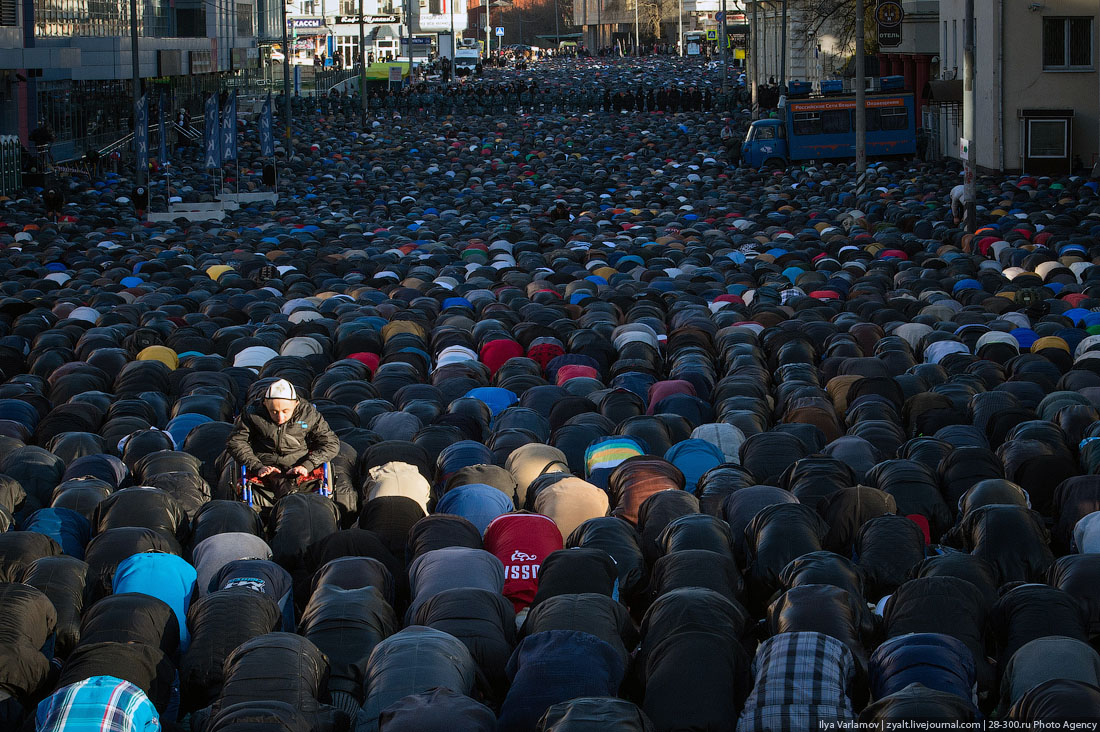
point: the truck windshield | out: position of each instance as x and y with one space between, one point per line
763 132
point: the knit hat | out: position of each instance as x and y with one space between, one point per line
281 389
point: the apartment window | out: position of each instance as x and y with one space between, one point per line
244 19
349 7
943 47
191 22
1067 44
955 43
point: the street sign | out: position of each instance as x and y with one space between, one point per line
964 148
417 41
500 31
889 13
889 37
719 16
395 74
889 16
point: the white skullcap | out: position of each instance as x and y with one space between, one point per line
281 389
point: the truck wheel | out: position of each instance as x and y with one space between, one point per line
775 164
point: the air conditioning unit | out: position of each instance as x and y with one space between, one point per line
871 84
799 88
892 83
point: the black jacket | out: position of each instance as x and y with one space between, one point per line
305 439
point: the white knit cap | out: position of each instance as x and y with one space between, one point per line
281 389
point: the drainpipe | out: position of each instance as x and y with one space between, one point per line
1001 86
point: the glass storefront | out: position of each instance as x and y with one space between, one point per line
92 110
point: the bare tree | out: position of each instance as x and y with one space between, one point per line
838 19
530 18
653 14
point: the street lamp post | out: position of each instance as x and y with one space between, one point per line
969 107
557 28
362 62
725 50
783 51
286 82
755 67
500 5
637 41
139 174
861 93
680 39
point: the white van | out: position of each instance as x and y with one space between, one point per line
466 61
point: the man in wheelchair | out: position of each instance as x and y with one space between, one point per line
283 443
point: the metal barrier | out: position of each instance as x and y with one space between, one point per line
193 133
11 164
325 81
313 83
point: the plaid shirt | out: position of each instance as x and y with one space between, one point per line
801 679
98 704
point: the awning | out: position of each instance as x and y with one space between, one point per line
381 71
561 37
944 92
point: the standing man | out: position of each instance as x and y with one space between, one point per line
959 200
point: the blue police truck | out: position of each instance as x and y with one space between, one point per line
823 127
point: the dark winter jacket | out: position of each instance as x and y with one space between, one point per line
305 439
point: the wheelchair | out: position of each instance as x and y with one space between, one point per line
245 482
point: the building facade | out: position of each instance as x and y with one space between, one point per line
604 23
1036 80
325 28
67 64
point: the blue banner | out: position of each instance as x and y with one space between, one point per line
211 134
162 153
267 131
141 133
229 128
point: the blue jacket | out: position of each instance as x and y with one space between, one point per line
163 576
